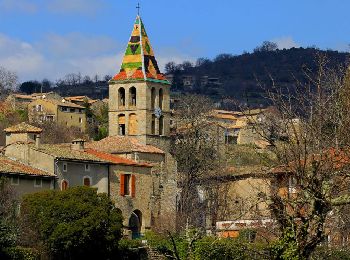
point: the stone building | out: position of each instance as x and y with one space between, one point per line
60 111
139 129
25 179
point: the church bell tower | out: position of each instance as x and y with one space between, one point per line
139 95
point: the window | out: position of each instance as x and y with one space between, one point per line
121 122
132 124
161 98
49 118
64 185
153 124
127 185
15 180
38 183
80 120
87 167
64 109
72 110
121 97
161 125
65 167
153 98
87 181
132 96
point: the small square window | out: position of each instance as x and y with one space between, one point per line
65 167
38 183
14 180
87 167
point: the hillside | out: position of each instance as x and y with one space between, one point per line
239 76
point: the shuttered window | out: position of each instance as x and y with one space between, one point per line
127 185
133 183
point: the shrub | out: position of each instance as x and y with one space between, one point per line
72 224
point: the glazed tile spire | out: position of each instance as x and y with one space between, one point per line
139 62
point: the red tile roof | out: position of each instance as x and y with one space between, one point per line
122 144
23 128
116 159
9 166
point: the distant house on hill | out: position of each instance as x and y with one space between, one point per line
60 111
21 101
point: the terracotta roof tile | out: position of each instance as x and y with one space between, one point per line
64 151
116 159
23 128
122 144
10 166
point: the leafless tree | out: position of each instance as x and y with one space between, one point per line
8 80
197 151
309 132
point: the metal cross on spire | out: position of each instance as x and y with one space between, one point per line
138 7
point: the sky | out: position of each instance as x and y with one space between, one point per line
51 38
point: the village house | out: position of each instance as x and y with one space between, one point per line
25 179
61 112
21 101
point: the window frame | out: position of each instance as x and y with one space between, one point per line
36 185
12 180
90 180
65 167
87 167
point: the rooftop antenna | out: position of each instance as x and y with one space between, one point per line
138 7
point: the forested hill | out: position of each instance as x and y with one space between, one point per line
240 76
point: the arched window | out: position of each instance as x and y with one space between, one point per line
121 97
132 96
161 98
132 124
121 124
153 124
64 185
161 125
153 98
87 181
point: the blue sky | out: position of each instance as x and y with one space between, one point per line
50 38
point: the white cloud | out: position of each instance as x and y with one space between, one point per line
18 5
55 55
285 42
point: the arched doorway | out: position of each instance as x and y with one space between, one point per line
135 223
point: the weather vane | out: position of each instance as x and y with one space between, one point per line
138 7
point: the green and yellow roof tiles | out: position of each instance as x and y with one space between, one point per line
139 62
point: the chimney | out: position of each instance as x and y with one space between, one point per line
37 140
78 145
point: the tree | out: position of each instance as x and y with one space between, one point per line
197 151
170 67
309 134
8 227
8 80
29 87
74 224
266 46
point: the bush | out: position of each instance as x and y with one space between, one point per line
74 224
132 249
208 248
21 253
